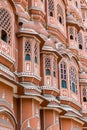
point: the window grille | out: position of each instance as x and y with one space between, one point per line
5 25
55 67
27 47
60 16
27 51
63 74
85 42
83 15
47 65
80 40
84 93
51 7
36 53
71 32
73 80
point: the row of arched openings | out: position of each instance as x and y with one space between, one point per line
51 69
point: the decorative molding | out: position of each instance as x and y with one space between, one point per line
27 74
6 70
9 58
50 88
70 99
30 86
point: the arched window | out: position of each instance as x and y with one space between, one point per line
5 26
47 66
51 14
73 80
27 51
36 53
60 16
51 7
71 33
84 93
71 37
63 74
60 19
47 72
80 46
4 35
80 40
27 57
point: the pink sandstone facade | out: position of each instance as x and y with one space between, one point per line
43 65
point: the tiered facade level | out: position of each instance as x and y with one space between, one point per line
43 65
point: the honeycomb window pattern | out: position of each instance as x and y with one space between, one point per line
51 7
85 42
5 23
27 51
63 70
71 32
54 67
63 74
84 92
36 49
47 66
80 40
83 15
60 16
47 63
27 47
36 53
73 80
